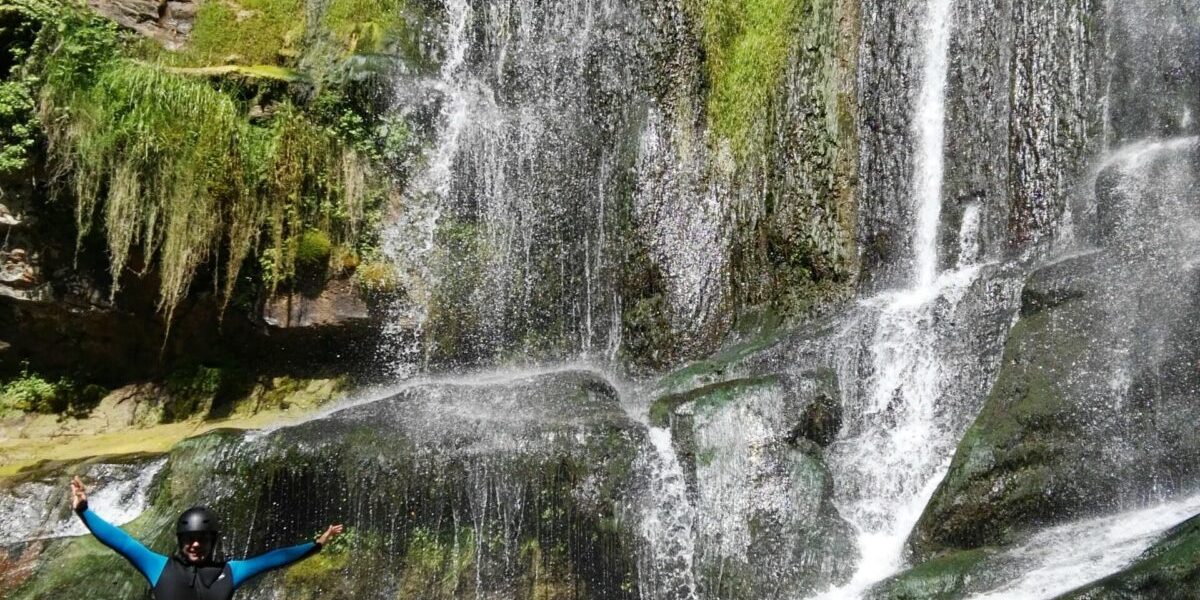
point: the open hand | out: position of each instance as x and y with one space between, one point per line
78 494
332 532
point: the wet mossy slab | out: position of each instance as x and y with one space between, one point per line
1093 406
509 489
944 578
1169 570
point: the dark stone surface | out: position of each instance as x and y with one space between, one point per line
512 489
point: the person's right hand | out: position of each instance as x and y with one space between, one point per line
78 494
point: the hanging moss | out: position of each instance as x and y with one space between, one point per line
173 166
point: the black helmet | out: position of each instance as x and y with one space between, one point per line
197 519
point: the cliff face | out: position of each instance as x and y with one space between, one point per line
931 263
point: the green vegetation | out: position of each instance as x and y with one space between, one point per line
746 44
191 389
17 124
438 566
313 249
247 32
377 278
30 392
172 165
943 577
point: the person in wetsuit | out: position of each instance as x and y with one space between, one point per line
194 572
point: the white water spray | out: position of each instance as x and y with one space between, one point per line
1063 558
667 519
894 452
120 495
930 134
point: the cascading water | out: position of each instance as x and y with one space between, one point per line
518 204
768 467
930 135
899 437
29 510
667 518
1063 558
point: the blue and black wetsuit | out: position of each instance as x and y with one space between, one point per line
171 578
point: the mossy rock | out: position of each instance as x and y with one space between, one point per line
448 490
944 578
745 452
1096 355
1168 570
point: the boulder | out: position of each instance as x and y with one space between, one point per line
1092 409
1094 405
508 488
766 524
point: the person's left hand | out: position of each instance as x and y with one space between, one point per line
78 493
332 532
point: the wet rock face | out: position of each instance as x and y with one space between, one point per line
766 525
493 489
500 489
1024 115
1094 405
1081 417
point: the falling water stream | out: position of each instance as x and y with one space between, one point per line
899 443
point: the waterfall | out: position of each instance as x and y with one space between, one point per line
930 135
667 518
518 202
27 511
902 428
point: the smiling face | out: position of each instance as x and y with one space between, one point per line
196 547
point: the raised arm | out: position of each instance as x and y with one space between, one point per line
149 564
243 570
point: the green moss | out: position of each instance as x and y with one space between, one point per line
327 575
706 371
707 399
438 566
941 578
288 392
746 45
312 253
377 278
247 31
